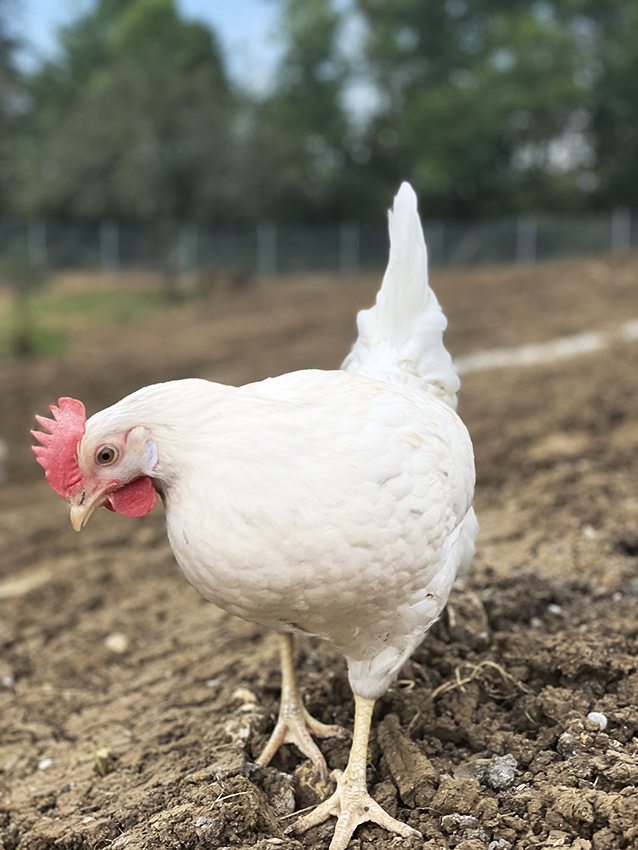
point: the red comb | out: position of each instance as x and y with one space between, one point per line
58 453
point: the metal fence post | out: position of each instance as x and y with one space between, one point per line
37 244
620 229
526 232
349 247
109 246
267 248
435 239
188 248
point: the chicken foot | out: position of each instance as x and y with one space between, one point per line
295 724
351 803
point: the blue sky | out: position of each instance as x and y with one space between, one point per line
246 28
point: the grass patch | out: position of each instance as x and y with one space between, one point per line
54 316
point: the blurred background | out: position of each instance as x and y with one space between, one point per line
208 141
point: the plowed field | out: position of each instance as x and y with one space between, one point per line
131 710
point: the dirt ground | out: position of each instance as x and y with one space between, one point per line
131 710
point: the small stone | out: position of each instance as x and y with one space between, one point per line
43 764
466 827
567 745
456 823
116 642
7 681
501 844
554 609
211 683
501 772
599 719
244 695
203 823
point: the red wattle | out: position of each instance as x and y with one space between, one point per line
136 498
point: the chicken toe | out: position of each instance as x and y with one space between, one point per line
351 804
295 724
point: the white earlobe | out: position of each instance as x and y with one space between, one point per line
151 455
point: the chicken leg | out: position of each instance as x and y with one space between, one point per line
351 803
295 724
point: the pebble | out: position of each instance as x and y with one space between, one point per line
44 763
501 772
599 719
244 695
567 745
466 825
211 683
116 642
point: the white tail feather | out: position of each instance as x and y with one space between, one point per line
401 338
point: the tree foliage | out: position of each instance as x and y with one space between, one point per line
475 94
134 122
489 107
11 109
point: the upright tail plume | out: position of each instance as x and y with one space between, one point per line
401 338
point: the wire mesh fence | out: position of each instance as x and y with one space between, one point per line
345 248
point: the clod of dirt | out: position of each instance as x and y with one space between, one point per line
229 761
310 789
241 814
412 771
385 794
279 789
456 796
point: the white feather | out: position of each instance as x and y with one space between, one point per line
401 338
333 503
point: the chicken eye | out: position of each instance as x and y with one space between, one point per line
106 455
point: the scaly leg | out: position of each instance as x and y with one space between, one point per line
294 723
351 803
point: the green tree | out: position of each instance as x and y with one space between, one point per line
481 103
134 121
614 100
296 136
12 106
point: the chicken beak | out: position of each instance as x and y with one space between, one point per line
83 506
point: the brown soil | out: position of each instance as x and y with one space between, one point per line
131 710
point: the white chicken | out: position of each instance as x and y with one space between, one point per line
337 504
